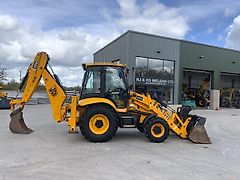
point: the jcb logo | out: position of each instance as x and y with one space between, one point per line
53 90
35 64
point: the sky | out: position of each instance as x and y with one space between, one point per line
70 31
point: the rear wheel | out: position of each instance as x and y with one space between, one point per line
98 124
156 130
202 102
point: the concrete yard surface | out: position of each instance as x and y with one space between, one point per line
51 153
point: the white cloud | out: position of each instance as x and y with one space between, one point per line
69 47
220 37
7 22
209 30
152 17
205 9
231 11
233 37
74 79
14 73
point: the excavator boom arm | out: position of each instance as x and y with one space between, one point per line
32 78
36 71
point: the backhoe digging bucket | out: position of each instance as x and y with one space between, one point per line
17 124
198 134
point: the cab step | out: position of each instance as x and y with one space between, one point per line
128 121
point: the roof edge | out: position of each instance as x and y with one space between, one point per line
112 42
170 38
182 40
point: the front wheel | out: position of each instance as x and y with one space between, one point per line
98 124
140 128
202 102
156 130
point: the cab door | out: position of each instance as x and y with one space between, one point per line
116 86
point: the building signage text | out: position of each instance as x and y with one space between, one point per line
155 81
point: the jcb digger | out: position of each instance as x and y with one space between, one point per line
4 100
105 103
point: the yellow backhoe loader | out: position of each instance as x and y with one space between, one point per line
105 103
4 100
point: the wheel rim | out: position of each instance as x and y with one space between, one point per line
99 124
157 130
201 102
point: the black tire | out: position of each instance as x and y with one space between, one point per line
156 130
202 102
98 111
140 128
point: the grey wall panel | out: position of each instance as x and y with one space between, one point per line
113 51
147 46
230 61
213 58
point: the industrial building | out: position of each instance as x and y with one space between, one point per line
165 67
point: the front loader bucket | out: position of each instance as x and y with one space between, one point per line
198 134
17 124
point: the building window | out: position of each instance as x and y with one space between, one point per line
141 67
169 69
155 76
155 68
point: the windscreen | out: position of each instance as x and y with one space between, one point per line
114 79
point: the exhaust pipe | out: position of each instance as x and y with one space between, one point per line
17 124
198 133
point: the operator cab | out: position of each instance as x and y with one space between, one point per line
105 80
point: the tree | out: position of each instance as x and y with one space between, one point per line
3 74
12 85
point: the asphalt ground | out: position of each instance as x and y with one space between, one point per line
51 153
